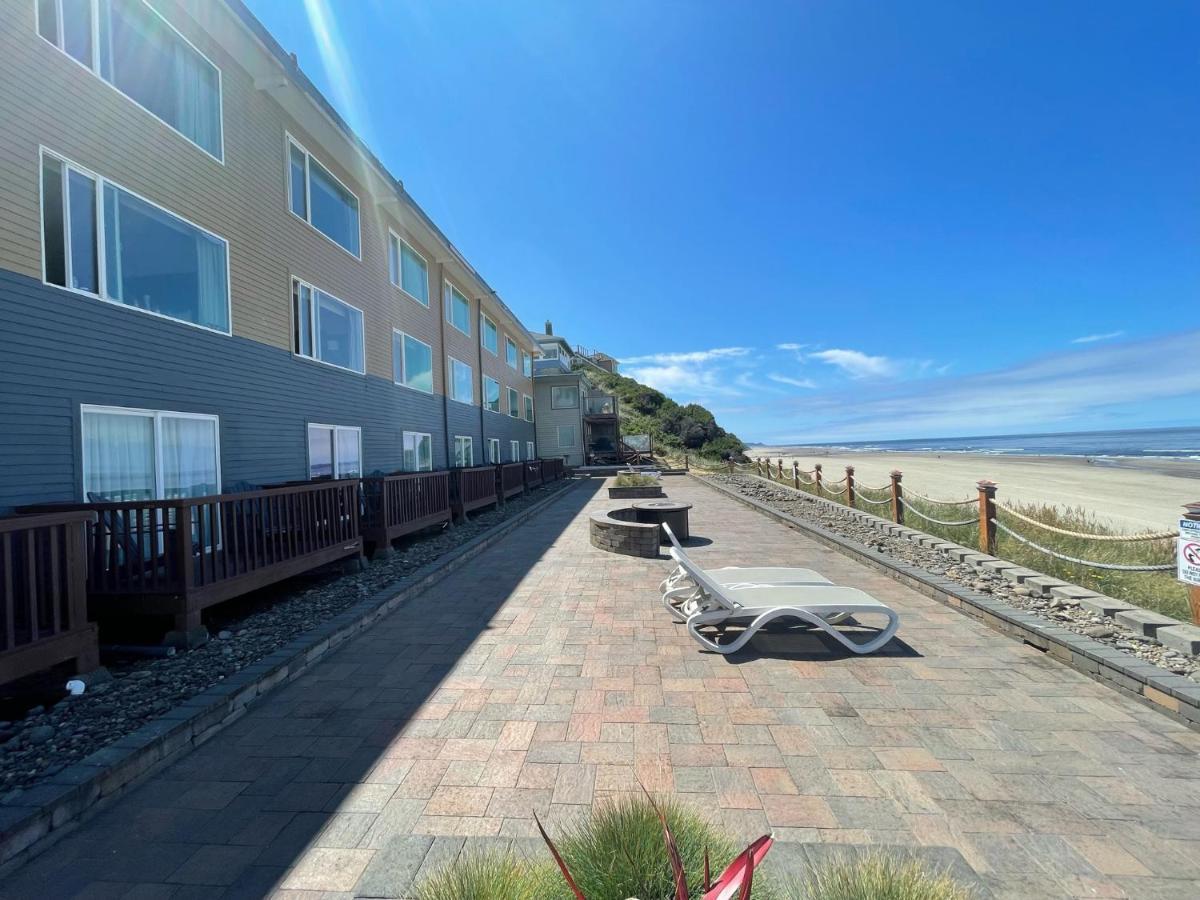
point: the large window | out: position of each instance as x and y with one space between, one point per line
134 49
464 451
458 309
462 387
151 260
334 451
322 201
407 269
327 329
565 397
566 436
489 335
526 364
514 450
412 362
514 403
493 450
418 452
491 394
137 454
510 352
528 407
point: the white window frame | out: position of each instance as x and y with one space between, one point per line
578 396
416 454
526 364
484 317
493 451
514 410
469 444
574 436
101 239
362 337
307 217
515 362
527 407
483 395
530 450
157 415
448 292
393 236
334 429
94 69
514 449
550 352
403 335
450 387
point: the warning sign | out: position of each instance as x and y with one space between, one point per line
1189 551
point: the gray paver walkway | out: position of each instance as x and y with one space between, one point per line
546 676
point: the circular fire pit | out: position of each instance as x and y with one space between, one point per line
619 531
669 511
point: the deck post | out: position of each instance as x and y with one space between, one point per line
850 486
189 631
817 478
1192 512
897 498
987 517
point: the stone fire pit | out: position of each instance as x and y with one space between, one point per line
619 531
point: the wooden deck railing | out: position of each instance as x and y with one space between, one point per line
472 488
396 505
43 601
512 479
553 468
533 473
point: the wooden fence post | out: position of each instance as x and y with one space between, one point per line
897 498
795 474
817 478
850 486
758 464
781 468
731 465
1192 511
987 516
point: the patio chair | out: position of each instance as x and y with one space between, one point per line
754 607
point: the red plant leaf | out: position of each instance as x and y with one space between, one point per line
558 859
681 888
740 872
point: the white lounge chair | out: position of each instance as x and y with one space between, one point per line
755 606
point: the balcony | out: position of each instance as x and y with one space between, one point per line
601 406
551 365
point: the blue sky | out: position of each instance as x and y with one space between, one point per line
823 220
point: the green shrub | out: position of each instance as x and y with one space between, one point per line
877 876
491 876
635 481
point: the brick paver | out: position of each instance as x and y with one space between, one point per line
546 676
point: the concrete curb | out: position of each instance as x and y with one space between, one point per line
42 814
1174 694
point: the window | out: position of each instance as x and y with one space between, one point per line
136 454
407 269
144 58
528 408
322 201
334 451
514 450
462 386
510 352
326 328
418 452
464 451
566 436
458 309
514 403
526 364
488 335
412 362
494 451
566 397
491 394
550 352
530 451
152 260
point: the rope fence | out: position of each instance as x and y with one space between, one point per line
1113 567
919 514
1090 536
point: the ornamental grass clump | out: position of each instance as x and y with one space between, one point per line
876 876
628 480
491 876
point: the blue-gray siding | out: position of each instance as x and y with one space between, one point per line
59 350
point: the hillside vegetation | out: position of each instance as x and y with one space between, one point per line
674 428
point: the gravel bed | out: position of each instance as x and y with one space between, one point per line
1066 613
52 736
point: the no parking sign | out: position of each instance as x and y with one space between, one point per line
1189 551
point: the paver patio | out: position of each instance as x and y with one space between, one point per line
546 676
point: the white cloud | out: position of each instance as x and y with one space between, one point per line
694 356
790 346
794 382
686 382
857 364
1093 338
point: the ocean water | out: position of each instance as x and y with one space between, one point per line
1165 443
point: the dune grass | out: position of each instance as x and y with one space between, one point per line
877 876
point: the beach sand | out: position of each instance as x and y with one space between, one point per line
1131 493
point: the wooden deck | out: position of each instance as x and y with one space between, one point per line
43 601
473 488
511 478
396 505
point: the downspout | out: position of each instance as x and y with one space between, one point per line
479 361
441 314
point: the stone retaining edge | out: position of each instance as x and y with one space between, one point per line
47 811
1174 694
